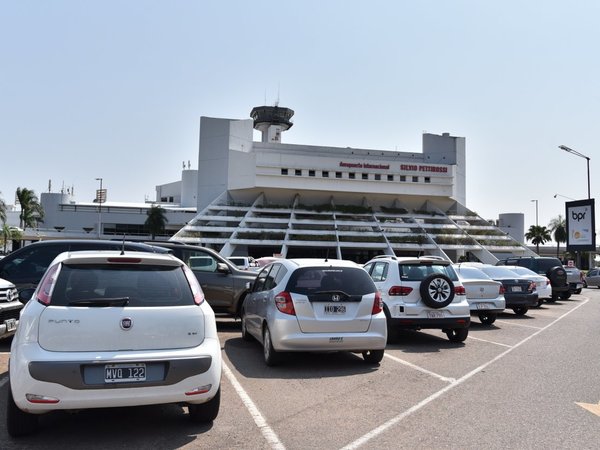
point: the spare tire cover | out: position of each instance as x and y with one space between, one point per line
557 276
437 291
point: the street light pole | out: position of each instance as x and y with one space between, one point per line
575 152
536 212
99 198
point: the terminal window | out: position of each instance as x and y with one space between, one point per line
427 179
378 177
298 172
365 176
284 171
402 178
311 173
352 175
325 174
415 179
390 177
338 174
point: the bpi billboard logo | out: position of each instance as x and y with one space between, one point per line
581 225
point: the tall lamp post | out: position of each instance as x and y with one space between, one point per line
575 152
99 200
536 212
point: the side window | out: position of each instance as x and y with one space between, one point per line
32 264
270 280
380 270
204 263
368 268
260 280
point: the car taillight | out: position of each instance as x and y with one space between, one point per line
284 303
502 289
459 290
44 294
548 282
377 304
400 290
197 291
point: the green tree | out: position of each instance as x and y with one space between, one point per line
31 209
2 210
538 234
558 227
156 220
9 233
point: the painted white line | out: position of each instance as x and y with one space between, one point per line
390 423
268 433
519 324
420 369
488 341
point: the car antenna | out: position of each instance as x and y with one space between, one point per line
123 246
327 255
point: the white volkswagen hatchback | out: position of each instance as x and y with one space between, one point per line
107 329
314 305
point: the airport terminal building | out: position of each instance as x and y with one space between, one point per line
272 198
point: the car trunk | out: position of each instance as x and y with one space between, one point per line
75 329
333 312
481 289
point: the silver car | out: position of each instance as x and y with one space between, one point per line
298 305
485 296
592 279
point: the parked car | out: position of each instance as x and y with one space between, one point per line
592 278
106 329
10 308
224 285
543 286
244 262
485 296
25 266
544 265
519 292
421 293
299 305
575 279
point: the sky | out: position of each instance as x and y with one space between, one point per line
115 89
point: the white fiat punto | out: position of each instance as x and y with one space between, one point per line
113 329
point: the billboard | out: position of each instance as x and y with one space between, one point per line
581 225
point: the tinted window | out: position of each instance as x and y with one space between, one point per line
310 280
30 263
418 272
142 285
379 272
204 263
545 264
260 280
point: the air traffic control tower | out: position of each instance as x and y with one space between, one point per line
271 121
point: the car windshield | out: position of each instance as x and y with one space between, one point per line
143 285
418 272
309 280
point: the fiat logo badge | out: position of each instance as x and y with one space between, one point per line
335 298
126 323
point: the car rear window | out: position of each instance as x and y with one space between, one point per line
472 273
418 272
143 285
545 264
310 280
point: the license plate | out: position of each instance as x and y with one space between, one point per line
335 309
483 306
516 289
124 373
435 314
11 324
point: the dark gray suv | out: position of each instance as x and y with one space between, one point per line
544 265
224 285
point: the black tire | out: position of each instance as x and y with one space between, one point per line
457 334
553 298
584 283
557 276
437 291
520 310
18 423
565 296
373 356
206 412
245 335
540 302
487 318
577 291
272 358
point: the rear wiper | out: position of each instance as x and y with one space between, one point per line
99 302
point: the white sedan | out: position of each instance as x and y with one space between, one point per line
485 296
107 329
543 285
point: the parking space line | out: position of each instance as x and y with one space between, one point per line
267 432
518 324
395 420
489 342
420 369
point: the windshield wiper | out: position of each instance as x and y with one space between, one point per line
99 302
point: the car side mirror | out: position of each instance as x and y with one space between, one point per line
223 268
25 295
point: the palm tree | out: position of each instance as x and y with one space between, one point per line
31 209
156 221
538 234
9 233
558 226
2 210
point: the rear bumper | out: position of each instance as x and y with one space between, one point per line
521 300
420 323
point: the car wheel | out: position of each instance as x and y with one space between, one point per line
487 318
245 335
565 296
553 298
373 356
457 334
520 310
578 291
437 291
206 412
18 423
270 355
584 284
540 302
